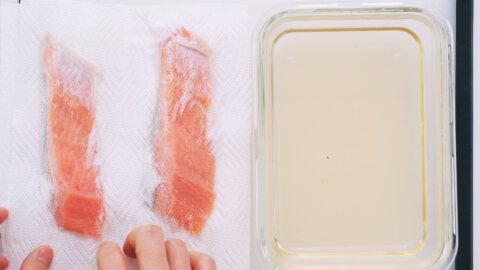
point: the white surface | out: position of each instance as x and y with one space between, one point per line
123 43
256 7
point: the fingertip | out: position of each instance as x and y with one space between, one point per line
106 244
3 263
142 232
39 259
109 256
106 248
175 244
152 230
202 261
45 254
147 244
3 214
177 254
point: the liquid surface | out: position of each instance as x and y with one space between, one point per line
348 151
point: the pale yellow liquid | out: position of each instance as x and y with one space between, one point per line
347 143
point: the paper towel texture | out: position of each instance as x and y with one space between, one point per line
123 42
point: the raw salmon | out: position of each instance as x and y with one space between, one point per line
77 198
182 152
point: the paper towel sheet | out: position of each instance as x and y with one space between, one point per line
122 41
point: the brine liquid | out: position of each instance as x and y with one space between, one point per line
348 142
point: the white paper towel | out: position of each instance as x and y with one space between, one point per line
122 41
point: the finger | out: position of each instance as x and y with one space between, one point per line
177 255
3 215
110 256
3 263
39 259
147 244
201 261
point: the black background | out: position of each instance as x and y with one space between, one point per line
464 117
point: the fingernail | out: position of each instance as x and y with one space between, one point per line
176 243
44 255
106 247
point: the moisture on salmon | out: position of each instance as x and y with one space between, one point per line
77 198
182 152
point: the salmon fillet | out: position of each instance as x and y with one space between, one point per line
77 198
182 152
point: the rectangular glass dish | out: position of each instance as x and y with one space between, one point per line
354 148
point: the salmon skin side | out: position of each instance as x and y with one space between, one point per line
77 197
182 152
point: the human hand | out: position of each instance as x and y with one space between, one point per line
3 217
39 259
148 246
